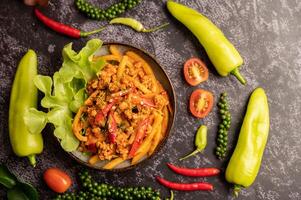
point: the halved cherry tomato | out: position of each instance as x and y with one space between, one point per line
201 102
195 71
57 180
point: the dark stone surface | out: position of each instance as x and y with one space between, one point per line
268 36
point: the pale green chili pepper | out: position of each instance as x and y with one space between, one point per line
245 161
200 141
136 25
223 55
24 95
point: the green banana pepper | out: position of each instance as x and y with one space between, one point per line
200 141
24 95
221 52
245 162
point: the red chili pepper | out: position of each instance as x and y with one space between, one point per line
100 119
148 102
102 114
112 127
121 93
143 101
91 144
185 186
197 172
109 106
140 133
62 28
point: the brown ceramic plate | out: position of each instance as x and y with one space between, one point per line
162 77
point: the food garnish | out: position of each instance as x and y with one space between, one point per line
222 138
246 159
24 95
57 180
200 103
136 25
195 71
65 93
220 50
62 28
200 141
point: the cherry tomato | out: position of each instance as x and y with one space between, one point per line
195 71
57 180
201 102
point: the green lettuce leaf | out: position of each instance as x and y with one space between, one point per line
37 119
78 100
64 93
43 83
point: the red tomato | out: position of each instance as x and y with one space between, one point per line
195 71
57 180
201 102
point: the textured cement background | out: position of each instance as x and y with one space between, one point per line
267 34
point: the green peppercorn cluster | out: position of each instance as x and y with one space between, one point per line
111 12
91 190
222 138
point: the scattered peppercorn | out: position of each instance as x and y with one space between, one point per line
222 137
111 12
92 190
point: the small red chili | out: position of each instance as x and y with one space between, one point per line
140 133
102 114
100 119
112 127
185 186
197 172
122 93
62 28
109 106
143 101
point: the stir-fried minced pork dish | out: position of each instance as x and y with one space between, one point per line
126 113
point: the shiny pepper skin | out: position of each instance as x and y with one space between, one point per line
24 95
245 162
223 55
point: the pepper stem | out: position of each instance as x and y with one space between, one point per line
85 34
191 154
171 195
236 73
155 28
32 159
236 190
